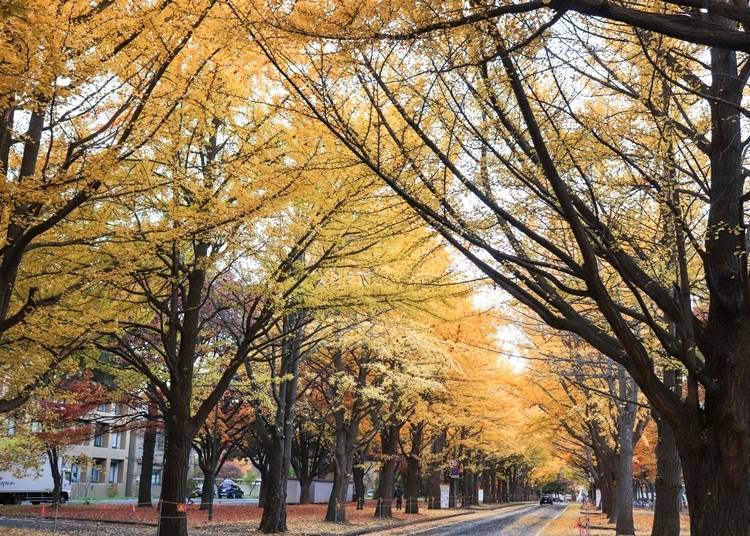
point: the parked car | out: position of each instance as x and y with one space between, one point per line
545 499
230 490
198 491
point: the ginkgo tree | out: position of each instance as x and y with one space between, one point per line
546 192
76 99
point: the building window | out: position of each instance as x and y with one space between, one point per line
99 439
96 470
156 477
36 427
102 408
115 443
75 473
114 467
159 445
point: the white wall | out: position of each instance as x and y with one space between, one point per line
320 490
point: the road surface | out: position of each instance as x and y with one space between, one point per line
525 520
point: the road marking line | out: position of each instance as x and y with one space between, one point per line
539 533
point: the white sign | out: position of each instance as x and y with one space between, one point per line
481 495
445 492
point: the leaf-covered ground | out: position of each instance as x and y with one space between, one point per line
228 520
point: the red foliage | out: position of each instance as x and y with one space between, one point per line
61 420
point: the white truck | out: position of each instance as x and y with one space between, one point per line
33 484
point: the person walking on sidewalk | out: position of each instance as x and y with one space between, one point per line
399 495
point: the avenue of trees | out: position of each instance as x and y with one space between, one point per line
263 227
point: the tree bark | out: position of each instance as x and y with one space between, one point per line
54 465
624 480
668 482
413 470
274 509
206 493
263 487
468 488
389 443
493 486
274 505
609 504
412 486
304 489
147 463
359 483
172 518
436 471
336 511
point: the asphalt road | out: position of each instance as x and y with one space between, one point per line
524 521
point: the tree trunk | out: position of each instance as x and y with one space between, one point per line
716 486
413 469
54 465
206 493
668 497
436 471
274 505
274 509
147 464
412 486
713 438
336 511
304 489
606 486
172 518
467 484
359 485
389 444
493 486
624 482
512 485
262 490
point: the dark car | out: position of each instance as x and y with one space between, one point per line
546 499
230 490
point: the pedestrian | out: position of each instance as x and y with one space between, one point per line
399 494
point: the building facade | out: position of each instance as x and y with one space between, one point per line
99 465
135 459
